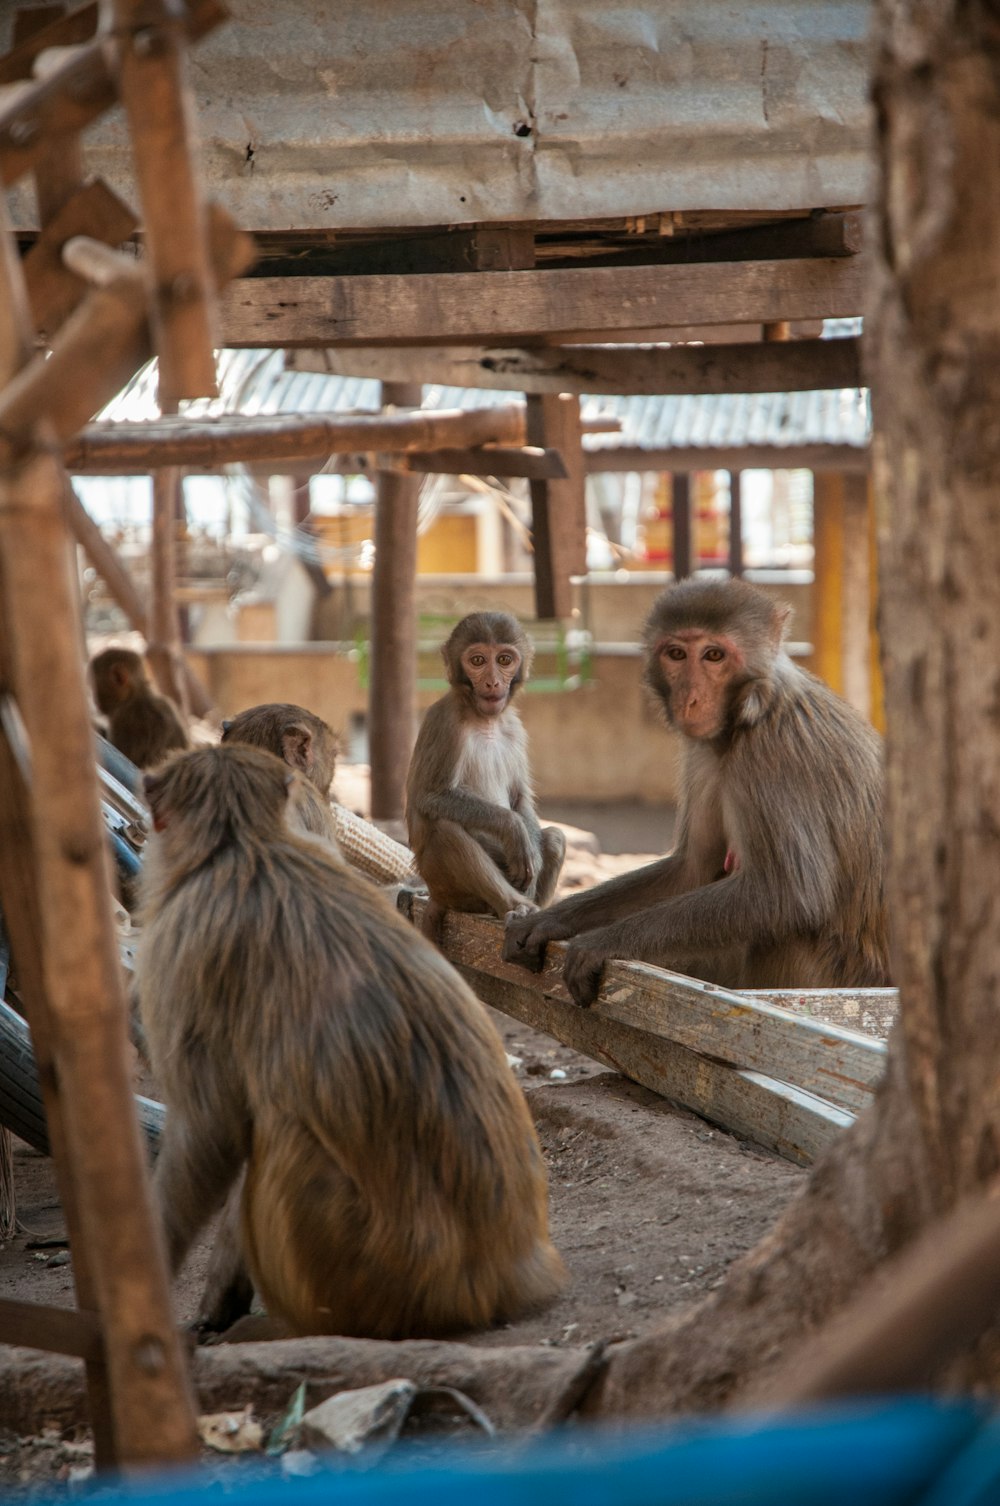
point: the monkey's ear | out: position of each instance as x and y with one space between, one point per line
152 788
297 748
119 675
782 620
226 725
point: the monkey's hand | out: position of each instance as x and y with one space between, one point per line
520 854
583 969
527 936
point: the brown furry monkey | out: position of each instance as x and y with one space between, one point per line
469 803
305 742
776 880
142 724
297 1023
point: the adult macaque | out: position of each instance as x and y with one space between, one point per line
469 804
305 742
776 878
142 724
296 1023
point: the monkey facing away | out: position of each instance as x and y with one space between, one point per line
394 1183
142 724
777 876
305 742
469 803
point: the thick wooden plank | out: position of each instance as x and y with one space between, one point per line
791 366
530 461
677 1036
871 1010
450 308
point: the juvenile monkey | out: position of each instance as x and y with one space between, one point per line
305 742
776 880
296 1023
469 803
142 724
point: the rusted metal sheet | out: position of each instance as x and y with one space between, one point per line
391 113
751 1068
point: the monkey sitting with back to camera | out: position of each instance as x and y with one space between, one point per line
142 724
776 880
470 809
296 1024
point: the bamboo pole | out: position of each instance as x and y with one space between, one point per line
149 1391
107 449
392 692
163 647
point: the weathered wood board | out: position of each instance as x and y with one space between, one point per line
784 1081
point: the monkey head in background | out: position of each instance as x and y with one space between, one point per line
298 1025
142 724
470 809
304 742
776 880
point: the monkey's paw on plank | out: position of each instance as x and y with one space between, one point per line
582 971
527 936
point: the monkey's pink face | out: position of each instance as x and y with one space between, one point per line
699 669
490 669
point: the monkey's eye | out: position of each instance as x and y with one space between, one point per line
478 660
505 659
714 655
675 652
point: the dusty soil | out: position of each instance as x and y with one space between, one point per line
649 1205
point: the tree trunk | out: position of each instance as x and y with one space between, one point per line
934 361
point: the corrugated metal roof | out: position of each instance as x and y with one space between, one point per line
396 113
256 382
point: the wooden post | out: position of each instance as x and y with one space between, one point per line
163 646
558 507
393 685
736 523
877 681
682 525
828 583
857 606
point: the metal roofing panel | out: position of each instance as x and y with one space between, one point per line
401 113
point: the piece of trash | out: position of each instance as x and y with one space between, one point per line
367 1419
514 1062
286 1430
299 1463
557 1074
231 1432
60 1258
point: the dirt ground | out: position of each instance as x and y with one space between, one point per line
648 1206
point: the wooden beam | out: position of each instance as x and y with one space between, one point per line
857 595
111 449
558 507
57 1330
450 308
163 647
713 1051
812 457
825 234
794 366
682 523
828 579
736 523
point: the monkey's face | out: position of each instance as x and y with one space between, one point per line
491 670
696 673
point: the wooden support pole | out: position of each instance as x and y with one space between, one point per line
558 508
160 109
163 647
857 604
828 580
393 687
877 681
681 513
53 289
736 523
